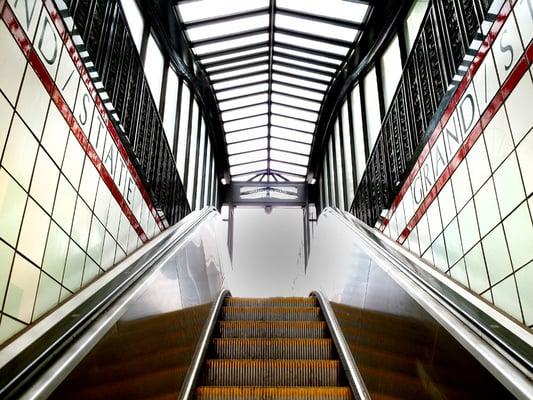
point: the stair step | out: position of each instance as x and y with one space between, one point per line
273 329
299 349
271 302
273 393
271 314
272 373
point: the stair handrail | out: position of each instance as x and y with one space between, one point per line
504 348
37 361
355 379
195 368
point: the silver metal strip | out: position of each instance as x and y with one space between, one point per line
193 374
159 251
345 354
499 361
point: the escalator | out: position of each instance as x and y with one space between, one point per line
163 325
273 348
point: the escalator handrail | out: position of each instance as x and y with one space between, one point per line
193 374
349 364
27 359
507 350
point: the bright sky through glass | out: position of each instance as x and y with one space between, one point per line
270 81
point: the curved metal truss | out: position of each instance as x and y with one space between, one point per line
270 63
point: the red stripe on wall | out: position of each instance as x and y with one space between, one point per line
450 108
67 40
516 75
20 37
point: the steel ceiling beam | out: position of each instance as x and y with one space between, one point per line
233 36
321 18
306 60
242 96
240 87
270 62
233 60
238 67
233 50
244 106
247 75
317 38
226 18
297 97
311 52
306 69
295 107
300 87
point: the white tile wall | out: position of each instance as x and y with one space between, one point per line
60 226
479 229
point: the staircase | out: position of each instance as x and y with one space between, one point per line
274 348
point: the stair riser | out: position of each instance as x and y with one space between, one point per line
231 393
272 302
313 330
271 314
298 349
272 373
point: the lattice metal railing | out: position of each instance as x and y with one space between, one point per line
447 31
103 29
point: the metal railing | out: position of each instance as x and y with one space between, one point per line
345 355
37 361
193 374
446 33
500 345
104 31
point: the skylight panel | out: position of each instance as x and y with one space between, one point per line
319 28
243 64
244 91
301 72
249 145
299 82
238 72
291 177
309 64
281 88
245 158
288 145
245 168
303 54
293 123
290 134
294 101
245 112
294 112
207 9
247 134
231 44
218 29
284 167
335 9
246 177
240 81
311 44
289 157
237 54
243 101
246 123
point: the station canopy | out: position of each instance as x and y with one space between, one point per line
270 64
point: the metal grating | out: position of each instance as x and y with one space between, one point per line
270 64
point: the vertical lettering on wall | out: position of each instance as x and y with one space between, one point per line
27 12
506 48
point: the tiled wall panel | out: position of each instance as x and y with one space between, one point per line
71 204
467 206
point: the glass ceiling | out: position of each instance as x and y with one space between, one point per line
270 63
